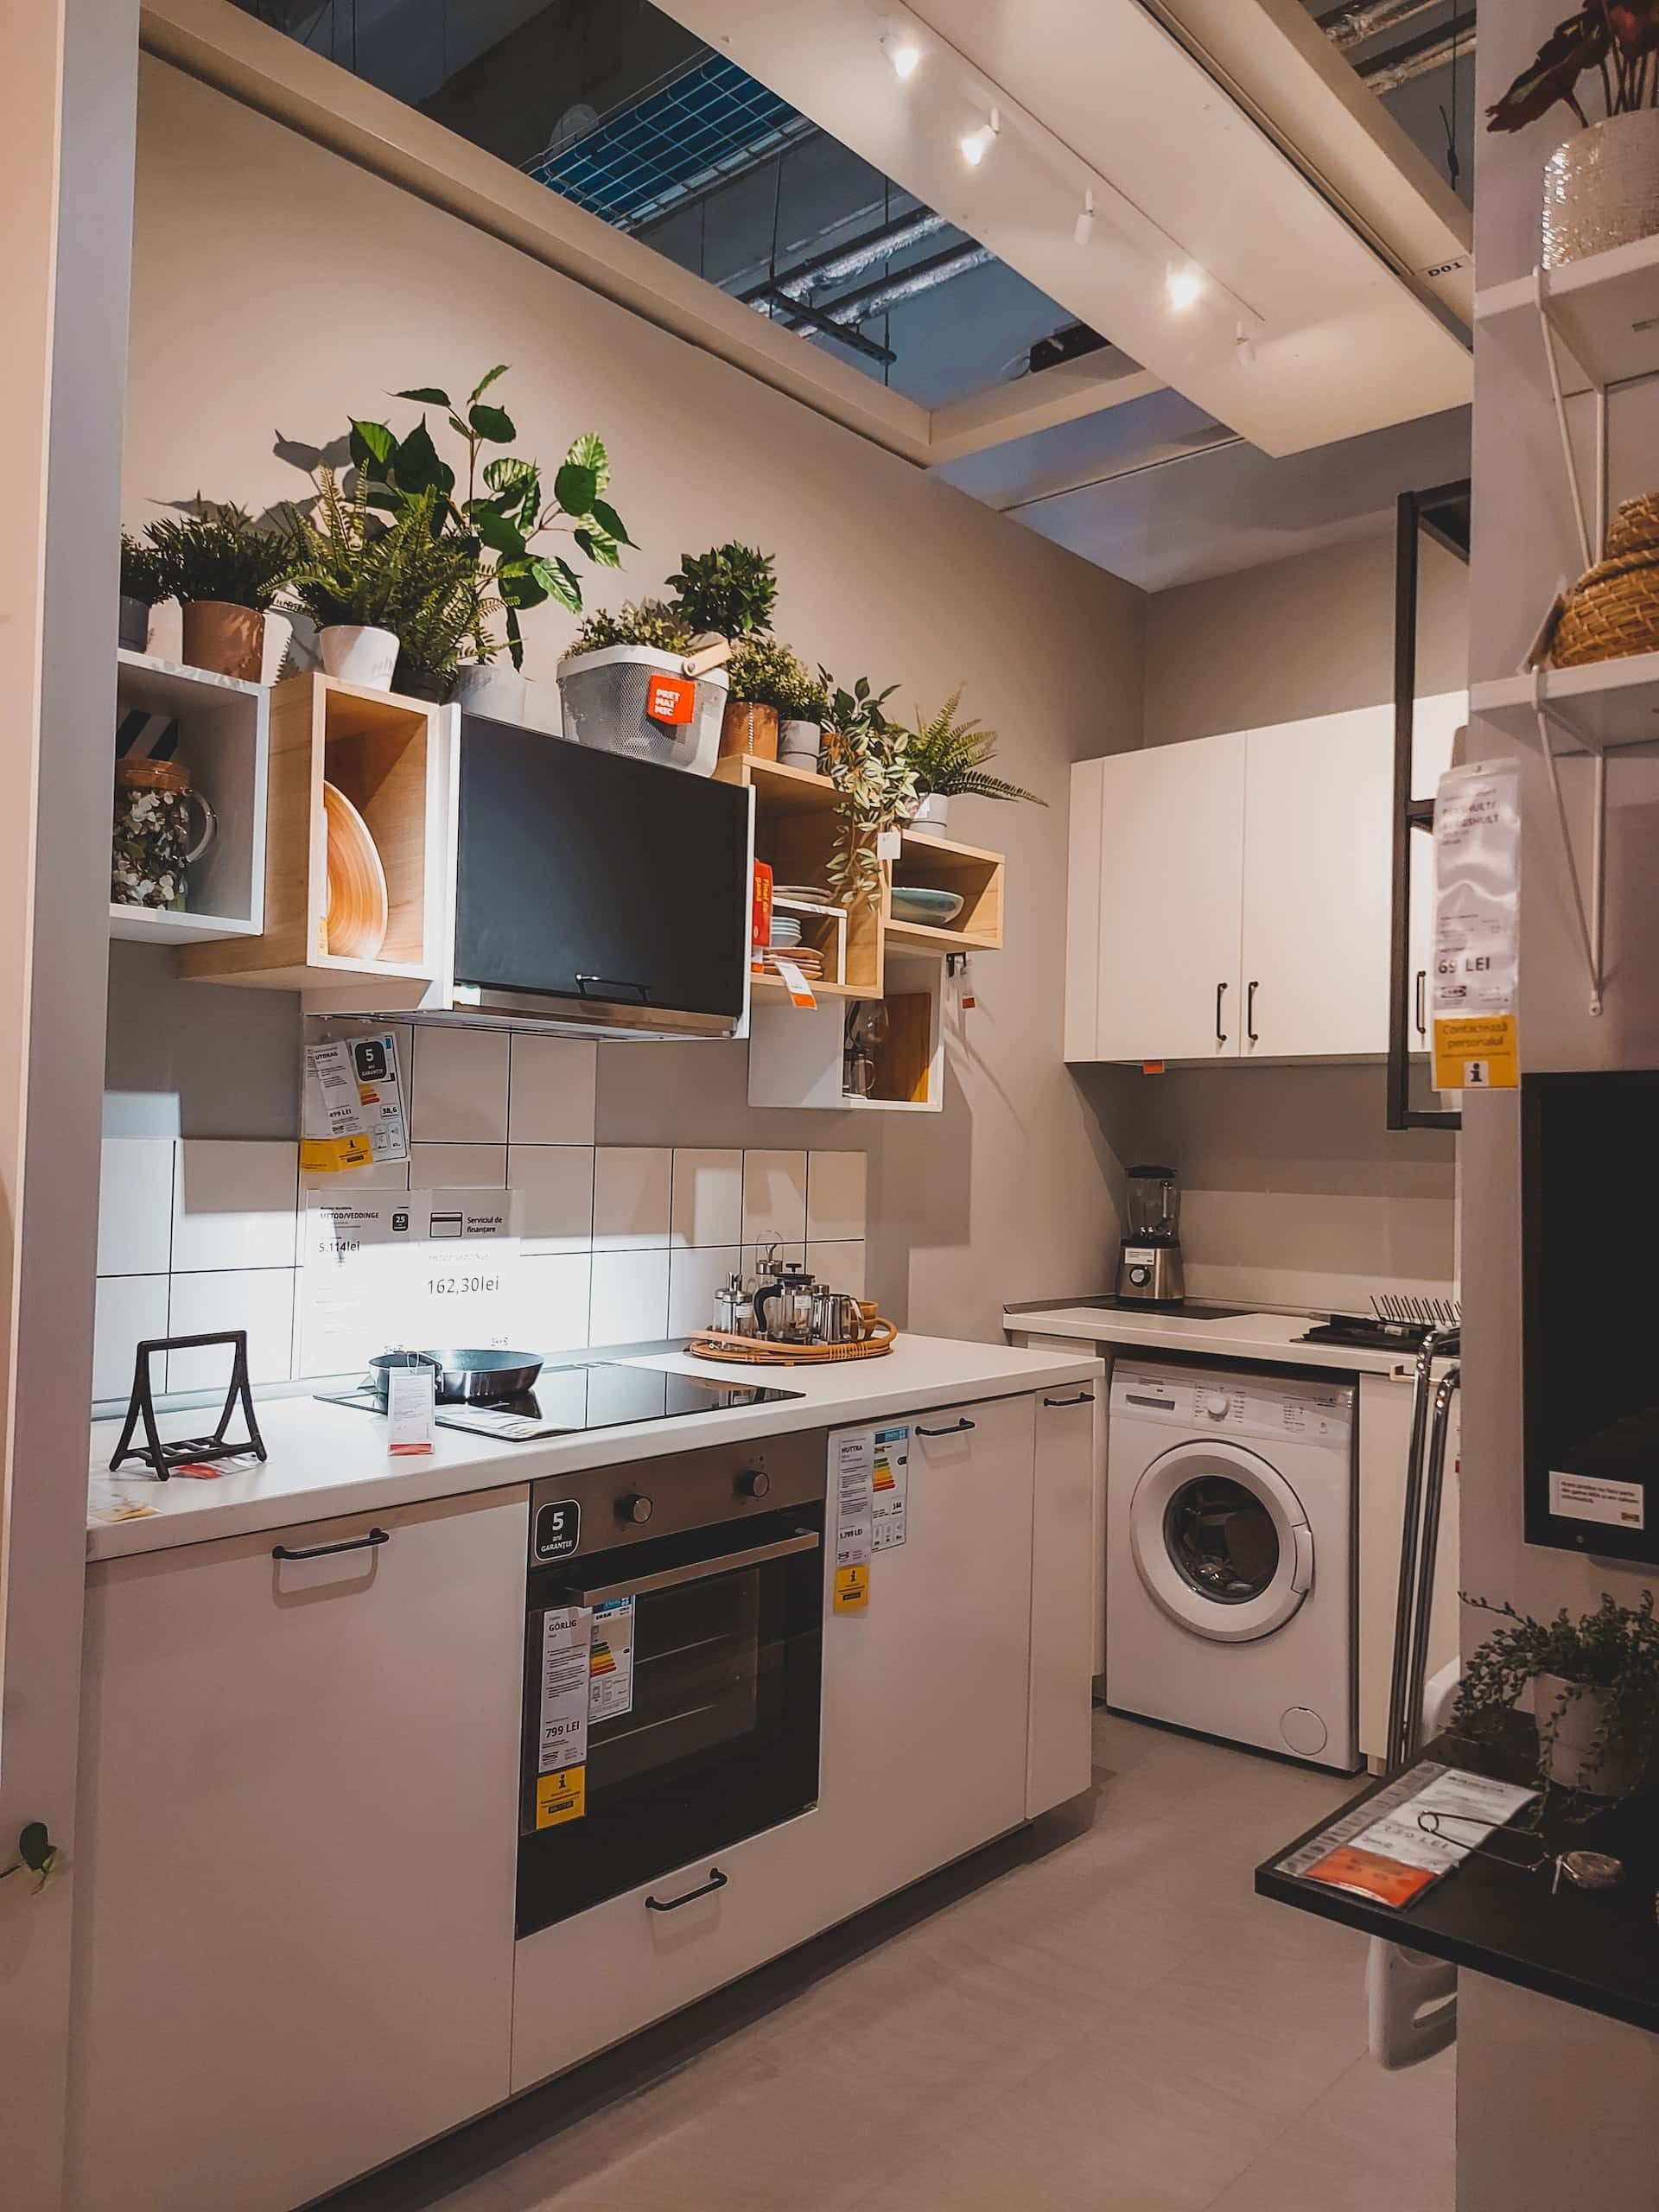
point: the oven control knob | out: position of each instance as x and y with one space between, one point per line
1215 1405
635 1507
754 1482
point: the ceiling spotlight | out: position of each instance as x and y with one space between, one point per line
1184 287
1083 229
904 53
977 143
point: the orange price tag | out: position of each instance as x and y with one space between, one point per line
671 699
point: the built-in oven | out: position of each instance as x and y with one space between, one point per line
673 1649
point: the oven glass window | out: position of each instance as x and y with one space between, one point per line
706 1679
1222 1538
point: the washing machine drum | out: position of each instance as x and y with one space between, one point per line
1221 1541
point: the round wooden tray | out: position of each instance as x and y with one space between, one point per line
758 1351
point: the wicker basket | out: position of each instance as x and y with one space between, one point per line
1613 609
604 696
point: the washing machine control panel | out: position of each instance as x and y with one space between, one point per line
1235 1403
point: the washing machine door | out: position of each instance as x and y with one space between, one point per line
1221 1540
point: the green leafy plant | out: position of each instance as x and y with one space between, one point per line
730 590
505 511
350 566
219 552
142 576
948 756
36 1854
1613 1650
765 672
653 622
866 757
1618 39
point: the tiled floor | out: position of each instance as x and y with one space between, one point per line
1098 2018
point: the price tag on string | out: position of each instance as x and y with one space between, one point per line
799 990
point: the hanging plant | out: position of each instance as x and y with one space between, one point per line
866 757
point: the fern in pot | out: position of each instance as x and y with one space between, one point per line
367 583
948 757
226 570
1592 1685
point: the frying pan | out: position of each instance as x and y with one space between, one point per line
461 1377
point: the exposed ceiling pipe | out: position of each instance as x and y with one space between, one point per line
830 268
1420 57
1362 19
926 276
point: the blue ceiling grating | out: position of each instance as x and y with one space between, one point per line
706 121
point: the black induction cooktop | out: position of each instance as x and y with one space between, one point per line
593 1393
1189 1309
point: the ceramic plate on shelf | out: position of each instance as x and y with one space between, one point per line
359 909
938 909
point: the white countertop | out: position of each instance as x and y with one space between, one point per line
1241 1336
326 1460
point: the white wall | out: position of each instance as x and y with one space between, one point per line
277 289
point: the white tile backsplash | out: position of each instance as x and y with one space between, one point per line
708 1206
130 1308
633 1198
835 1196
841 1266
775 1197
134 1206
555 1080
379 1175
630 1297
234 1205
460 1091
552 1303
557 1181
694 1276
457 1166
258 1300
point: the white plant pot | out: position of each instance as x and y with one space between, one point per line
358 654
1601 188
279 635
799 743
934 808
498 689
1579 1713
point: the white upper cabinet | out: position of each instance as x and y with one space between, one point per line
1434 728
1169 873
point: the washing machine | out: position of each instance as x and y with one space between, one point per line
1229 1556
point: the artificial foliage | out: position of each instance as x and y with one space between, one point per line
650 622
1613 1649
866 757
1615 43
142 576
730 590
948 756
765 672
351 566
219 552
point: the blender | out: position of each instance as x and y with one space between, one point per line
1149 1262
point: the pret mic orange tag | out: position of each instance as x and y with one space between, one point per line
671 699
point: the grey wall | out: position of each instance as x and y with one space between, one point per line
277 289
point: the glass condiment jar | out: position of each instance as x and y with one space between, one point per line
153 840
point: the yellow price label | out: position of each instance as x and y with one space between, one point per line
329 1155
561 1796
1477 1052
852 1589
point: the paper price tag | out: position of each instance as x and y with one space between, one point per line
852 1589
852 1486
671 699
610 1667
800 990
409 1397
890 1488
1476 927
561 1796
889 844
566 1646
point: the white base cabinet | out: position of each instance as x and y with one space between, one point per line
295 1856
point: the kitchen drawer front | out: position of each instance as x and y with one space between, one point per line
295 1861
1068 1579
585 1983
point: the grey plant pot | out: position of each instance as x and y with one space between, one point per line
483 687
134 632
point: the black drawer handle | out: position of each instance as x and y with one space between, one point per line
716 1881
1083 1398
955 1428
322 1551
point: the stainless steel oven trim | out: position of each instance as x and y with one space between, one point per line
804 1540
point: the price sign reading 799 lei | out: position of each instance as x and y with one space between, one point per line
409 1267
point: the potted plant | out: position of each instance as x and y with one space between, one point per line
948 758
363 581
502 519
728 592
1599 187
225 570
1593 1685
769 686
637 682
866 757
143 585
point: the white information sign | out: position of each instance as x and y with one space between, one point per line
567 1639
610 1691
385 1268
852 1486
890 1486
1476 927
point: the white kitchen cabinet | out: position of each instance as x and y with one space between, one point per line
1435 729
1066 1568
295 1856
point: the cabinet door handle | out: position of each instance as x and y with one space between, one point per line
1249 1014
322 1551
716 1881
1083 1398
955 1428
1422 985
1221 1034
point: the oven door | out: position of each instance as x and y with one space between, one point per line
704 1705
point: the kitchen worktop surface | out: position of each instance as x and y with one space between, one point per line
326 1460
1229 1336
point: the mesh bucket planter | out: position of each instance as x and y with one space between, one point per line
1613 609
607 697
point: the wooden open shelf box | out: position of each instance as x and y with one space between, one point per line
935 864
384 753
795 821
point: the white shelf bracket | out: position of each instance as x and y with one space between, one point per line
1592 920
1589 547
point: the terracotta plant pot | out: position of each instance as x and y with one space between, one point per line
1579 1713
746 728
226 640
357 653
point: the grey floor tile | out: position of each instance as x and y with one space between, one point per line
1374 2142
